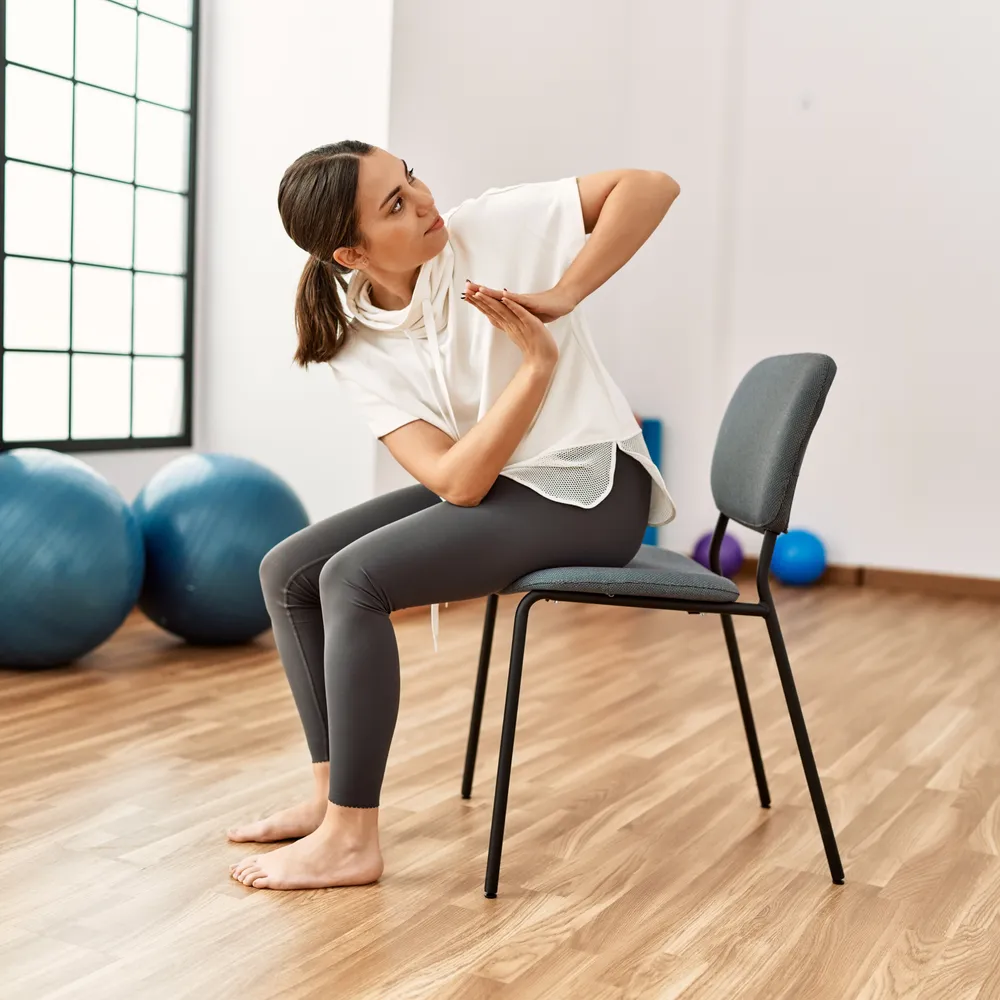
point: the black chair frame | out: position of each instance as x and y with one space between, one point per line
763 608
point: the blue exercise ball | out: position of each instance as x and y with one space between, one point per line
208 521
71 558
799 558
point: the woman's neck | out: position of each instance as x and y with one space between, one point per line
392 291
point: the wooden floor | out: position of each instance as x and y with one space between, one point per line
638 862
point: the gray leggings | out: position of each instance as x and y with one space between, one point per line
330 587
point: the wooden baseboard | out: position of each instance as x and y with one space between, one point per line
942 584
849 576
932 583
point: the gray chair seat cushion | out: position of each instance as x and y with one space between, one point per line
654 572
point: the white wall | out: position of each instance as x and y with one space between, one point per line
279 81
683 74
129 471
869 227
838 164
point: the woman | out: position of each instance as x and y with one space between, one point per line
526 452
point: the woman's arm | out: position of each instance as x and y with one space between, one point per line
621 210
463 471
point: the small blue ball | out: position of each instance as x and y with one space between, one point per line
799 558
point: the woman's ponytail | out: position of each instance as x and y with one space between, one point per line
320 320
316 199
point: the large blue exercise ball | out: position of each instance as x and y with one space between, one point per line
208 521
71 558
799 558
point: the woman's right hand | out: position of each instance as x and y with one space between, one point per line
528 333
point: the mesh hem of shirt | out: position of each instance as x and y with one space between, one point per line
582 475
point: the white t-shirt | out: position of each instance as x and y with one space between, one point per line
439 359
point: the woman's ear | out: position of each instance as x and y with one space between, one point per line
350 258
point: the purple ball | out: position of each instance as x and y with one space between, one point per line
730 555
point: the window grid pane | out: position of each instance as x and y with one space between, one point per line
91 239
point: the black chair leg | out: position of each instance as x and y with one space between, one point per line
805 750
507 744
745 710
480 695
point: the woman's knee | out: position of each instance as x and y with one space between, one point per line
276 569
289 563
339 571
345 576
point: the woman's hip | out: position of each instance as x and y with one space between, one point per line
608 533
449 553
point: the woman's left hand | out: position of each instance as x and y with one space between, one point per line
547 306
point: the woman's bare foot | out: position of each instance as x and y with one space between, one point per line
286 824
297 821
344 850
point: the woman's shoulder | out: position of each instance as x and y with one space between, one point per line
469 211
353 351
514 202
368 355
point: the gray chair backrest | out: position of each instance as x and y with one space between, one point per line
763 438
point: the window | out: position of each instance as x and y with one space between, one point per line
97 217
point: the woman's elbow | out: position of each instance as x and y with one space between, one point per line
460 499
463 494
671 189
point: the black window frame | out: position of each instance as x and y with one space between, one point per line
70 444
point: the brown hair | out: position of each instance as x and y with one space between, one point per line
316 199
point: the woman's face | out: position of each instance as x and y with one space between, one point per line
396 214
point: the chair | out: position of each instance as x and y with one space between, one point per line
755 466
